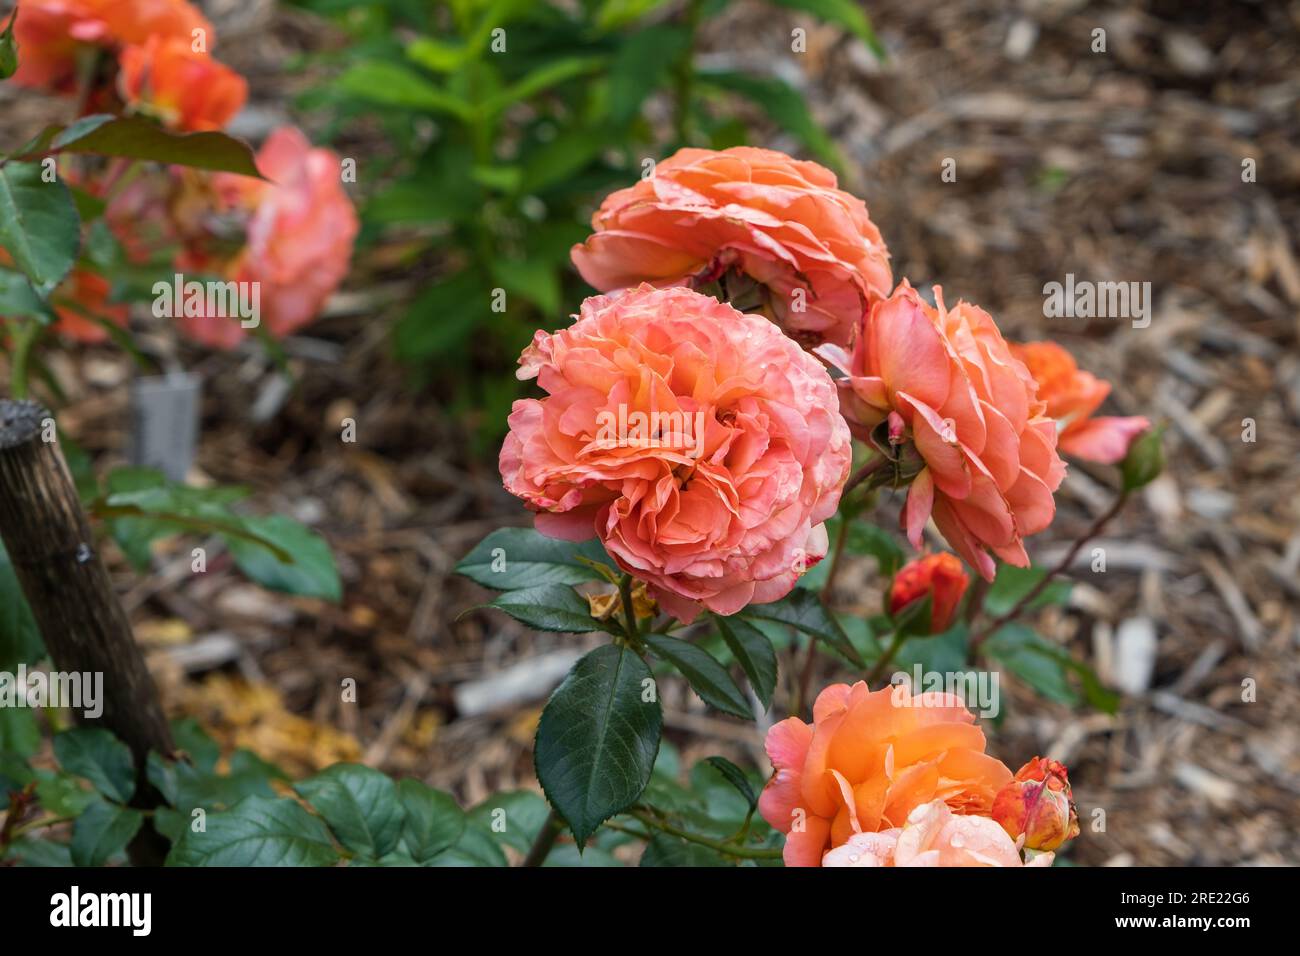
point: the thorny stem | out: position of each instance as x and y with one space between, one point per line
1068 559
728 849
546 836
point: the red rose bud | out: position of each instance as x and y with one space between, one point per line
939 575
1038 805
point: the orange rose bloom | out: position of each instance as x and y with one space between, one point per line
867 761
777 233
939 575
186 90
88 295
1072 395
1038 805
51 34
955 398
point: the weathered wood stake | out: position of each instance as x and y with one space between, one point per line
71 596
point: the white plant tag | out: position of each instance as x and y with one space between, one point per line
165 422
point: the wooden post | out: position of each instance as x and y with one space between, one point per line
71 596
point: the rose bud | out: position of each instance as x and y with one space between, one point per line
1039 805
939 575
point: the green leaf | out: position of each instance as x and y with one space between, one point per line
474 848
195 786
538 282
753 651
19 733
641 65
103 831
784 105
360 805
101 758
437 56
433 820
1144 461
312 573
549 607
614 14
513 818
140 506
844 13
33 851
1047 667
597 739
943 653
510 559
540 79
38 224
666 850
559 159
20 639
137 138
63 794
8 49
707 677
391 85
192 740
873 540
442 318
1012 583
188 786
18 300
804 611
736 777
1035 661
258 831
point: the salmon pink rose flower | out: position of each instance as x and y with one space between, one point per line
868 760
186 90
941 576
945 384
1038 805
934 836
775 234
55 36
701 446
1072 395
300 225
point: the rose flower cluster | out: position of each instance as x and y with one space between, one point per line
732 516
750 325
291 232
888 778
